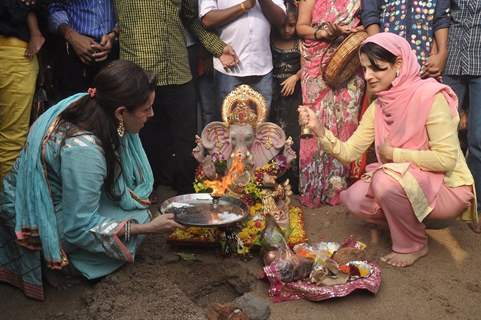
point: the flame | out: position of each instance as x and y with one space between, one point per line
219 187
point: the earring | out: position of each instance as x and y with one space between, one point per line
121 129
397 73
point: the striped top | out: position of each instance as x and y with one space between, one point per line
92 18
464 45
152 35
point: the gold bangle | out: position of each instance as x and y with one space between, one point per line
243 7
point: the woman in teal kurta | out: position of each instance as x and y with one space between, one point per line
78 192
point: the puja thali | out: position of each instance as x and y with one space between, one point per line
202 210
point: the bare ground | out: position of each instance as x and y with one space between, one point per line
444 285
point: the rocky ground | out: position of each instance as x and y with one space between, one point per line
161 285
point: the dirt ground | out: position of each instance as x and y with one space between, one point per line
444 285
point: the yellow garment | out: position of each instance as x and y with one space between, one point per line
444 155
18 76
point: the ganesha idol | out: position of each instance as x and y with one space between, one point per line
243 156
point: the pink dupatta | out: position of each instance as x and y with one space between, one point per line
401 115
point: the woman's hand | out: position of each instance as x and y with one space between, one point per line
358 28
309 119
289 85
386 151
163 222
331 31
34 45
339 29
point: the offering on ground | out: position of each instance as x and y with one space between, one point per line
316 272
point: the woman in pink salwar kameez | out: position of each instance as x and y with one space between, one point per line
323 24
421 173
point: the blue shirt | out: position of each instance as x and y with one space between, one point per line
88 17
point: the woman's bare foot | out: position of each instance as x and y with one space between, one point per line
402 260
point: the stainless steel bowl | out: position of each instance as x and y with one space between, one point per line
202 210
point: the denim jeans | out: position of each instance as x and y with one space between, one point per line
225 83
471 85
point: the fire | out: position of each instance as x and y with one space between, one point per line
219 187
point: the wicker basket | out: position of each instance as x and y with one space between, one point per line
344 62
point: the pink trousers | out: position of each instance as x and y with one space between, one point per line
388 203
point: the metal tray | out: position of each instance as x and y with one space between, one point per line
201 210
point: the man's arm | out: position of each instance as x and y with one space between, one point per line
370 11
57 16
189 14
209 40
218 17
441 24
434 66
59 22
441 38
274 13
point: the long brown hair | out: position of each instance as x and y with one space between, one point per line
120 83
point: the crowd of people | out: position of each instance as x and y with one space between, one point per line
124 86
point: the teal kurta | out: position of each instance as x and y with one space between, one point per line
87 221
76 173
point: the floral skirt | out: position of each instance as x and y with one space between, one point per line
322 177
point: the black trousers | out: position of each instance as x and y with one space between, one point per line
168 137
284 113
71 74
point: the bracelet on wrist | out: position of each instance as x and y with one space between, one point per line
243 7
127 227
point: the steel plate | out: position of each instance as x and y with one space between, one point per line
199 210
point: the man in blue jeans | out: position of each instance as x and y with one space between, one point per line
246 26
463 74
87 31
